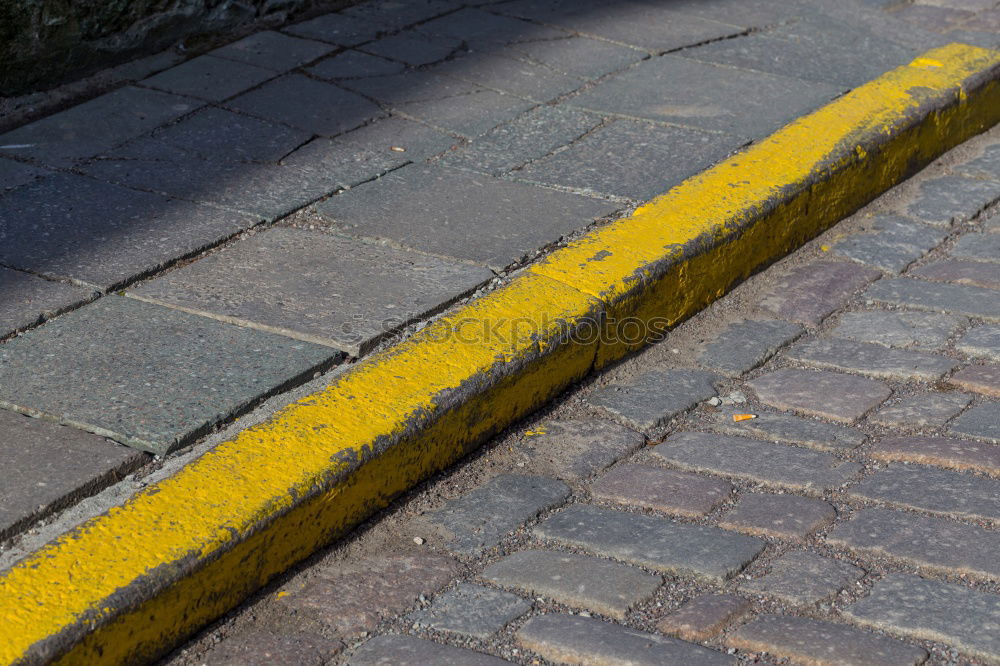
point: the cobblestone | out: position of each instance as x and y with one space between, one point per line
652 399
747 344
981 247
830 395
810 293
975 273
578 448
960 454
898 329
934 490
471 610
983 379
661 489
981 341
789 429
394 650
891 243
872 360
953 199
802 578
263 648
985 166
703 617
980 422
781 516
937 296
921 411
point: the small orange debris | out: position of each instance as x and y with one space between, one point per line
743 417
397 149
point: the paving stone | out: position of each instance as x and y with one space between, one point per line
745 345
662 489
942 451
710 97
354 65
921 411
471 610
209 78
395 15
703 617
933 490
619 157
414 48
14 174
484 31
932 18
976 273
802 578
808 294
343 293
273 50
652 399
394 650
353 598
890 242
981 247
933 543
457 214
582 640
830 395
983 379
103 235
307 104
781 516
497 71
126 369
980 422
26 300
872 360
337 28
952 199
808 641
898 329
656 543
95 126
771 464
48 467
263 648
577 448
982 341
937 296
986 166
929 609
575 580
412 86
788 429
480 518
579 56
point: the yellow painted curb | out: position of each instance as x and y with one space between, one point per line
127 585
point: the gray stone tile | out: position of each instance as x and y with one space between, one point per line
337 28
872 360
933 490
980 422
802 578
394 650
662 489
744 13
412 86
95 126
976 273
471 611
937 297
531 136
579 56
414 48
26 300
981 247
941 451
710 97
808 641
151 377
929 17
395 15
934 544
48 467
744 345
577 448
307 104
926 410
703 617
258 647
581 640
986 166
480 518
981 341
209 78
830 395
952 199
14 174
652 542
898 329
810 293
788 429
781 516
343 293
497 71
273 50
933 610
484 31
619 157
890 242
775 465
101 234
648 402
580 581
354 65
983 379
453 213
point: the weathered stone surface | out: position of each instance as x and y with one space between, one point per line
772 464
935 544
872 360
263 648
788 429
830 395
975 273
980 422
661 489
937 296
807 641
354 65
395 650
803 578
583 640
703 617
747 344
652 399
26 300
337 28
458 214
922 410
575 580
982 341
579 55
898 329
471 610
934 490
485 31
273 50
577 448
14 174
656 543
811 292
343 293
394 15
983 379
942 451
953 199
985 166
495 71
480 518
126 369
210 78
782 516
414 48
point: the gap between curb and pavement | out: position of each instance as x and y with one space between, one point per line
127 585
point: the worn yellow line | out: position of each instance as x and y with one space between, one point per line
127 584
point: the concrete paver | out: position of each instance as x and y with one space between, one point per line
354 65
209 78
981 341
953 199
654 398
937 297
578 448
747 344
984 379
26 300
802 578
872 360
393 650
273 50
981 247
919 411
788 429
891 243
834 396
471 610
976 273
941 451
781 516
979 422
703 617
899 329
661 489
934 490
810 293
14 174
